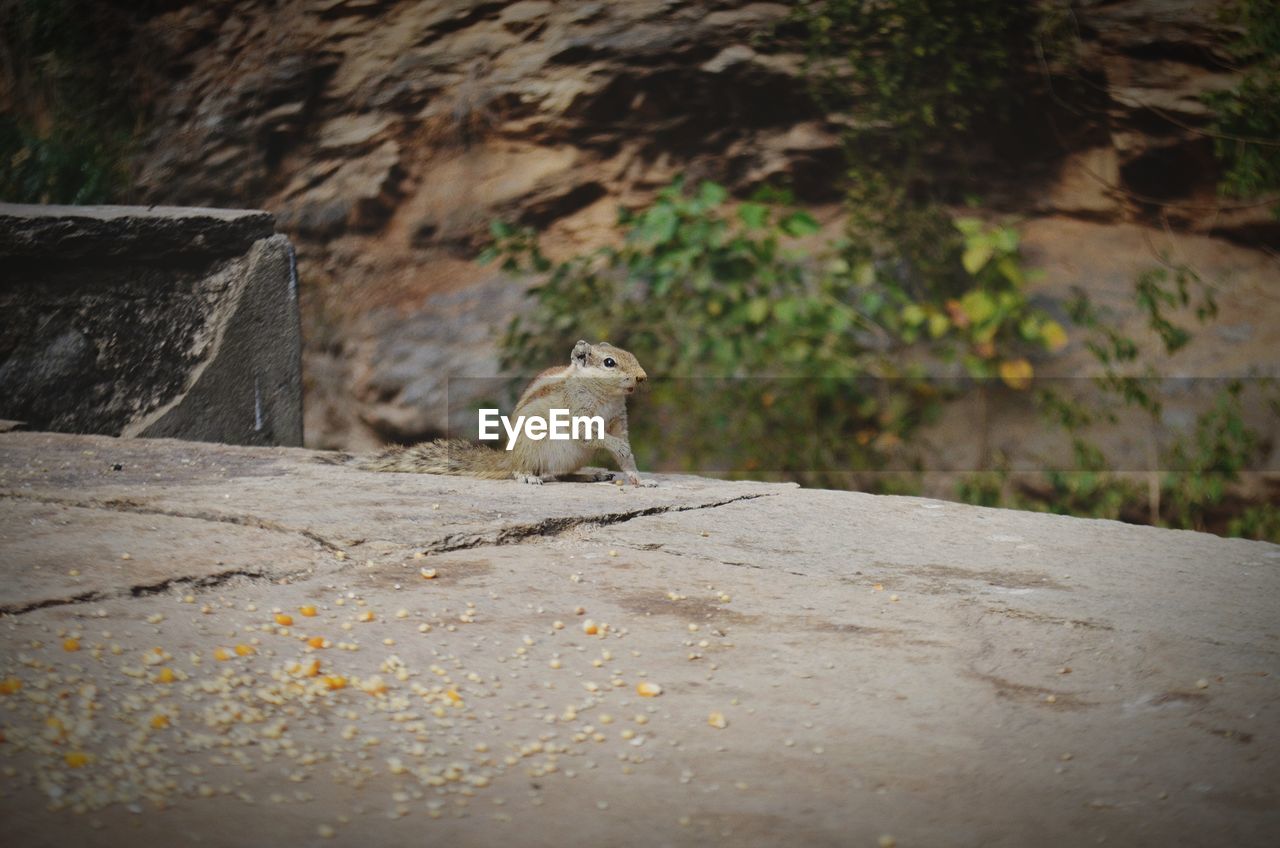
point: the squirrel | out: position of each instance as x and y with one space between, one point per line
596 382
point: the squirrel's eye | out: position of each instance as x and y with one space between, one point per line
608 362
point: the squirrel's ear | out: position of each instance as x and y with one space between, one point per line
580 352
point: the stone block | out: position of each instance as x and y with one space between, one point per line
150 321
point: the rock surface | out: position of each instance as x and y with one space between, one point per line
150 321
835 668
386 136
58 233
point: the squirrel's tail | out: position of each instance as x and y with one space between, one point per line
443 456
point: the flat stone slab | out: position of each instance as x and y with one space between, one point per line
368 512
65 233
834 668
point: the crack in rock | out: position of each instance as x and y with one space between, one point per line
141 590
555 526
125 505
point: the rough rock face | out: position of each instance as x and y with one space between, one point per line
386 136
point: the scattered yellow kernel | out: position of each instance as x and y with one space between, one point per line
159 721
10 685
284 619
165 675
310 669
221 654
428 573
308 610
244 650
76 759
453 696
365 615
318 642
335 681
71 645
718 721
648 689
590 628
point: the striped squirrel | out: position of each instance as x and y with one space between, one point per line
596 382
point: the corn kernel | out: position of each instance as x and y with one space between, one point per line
283 619
590 628
318 642
159 721
165 675
76 759
244 650
365 615
71 645
648 689
221 654
335 681
428 573
308 610
718 721
10 685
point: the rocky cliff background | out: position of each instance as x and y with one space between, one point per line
386 136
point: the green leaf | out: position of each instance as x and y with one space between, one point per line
969 226
500 229
754 215
1006 239
913 315
712 194
800 224
1010 269
757 310
976 255
658 225
978 305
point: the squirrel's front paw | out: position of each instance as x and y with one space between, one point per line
532 479
634 479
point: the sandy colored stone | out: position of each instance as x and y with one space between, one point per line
944 674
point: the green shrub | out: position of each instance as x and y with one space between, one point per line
1247 119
